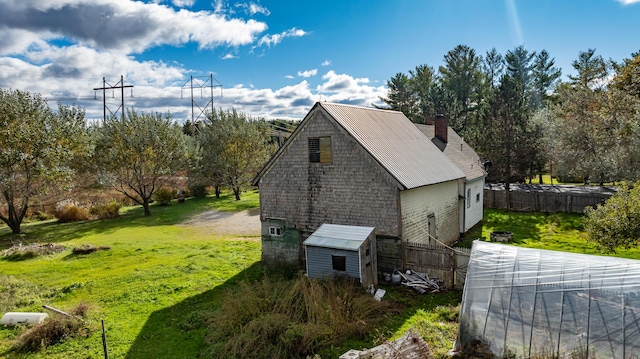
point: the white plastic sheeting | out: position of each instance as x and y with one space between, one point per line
531 302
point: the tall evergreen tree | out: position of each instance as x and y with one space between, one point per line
545 76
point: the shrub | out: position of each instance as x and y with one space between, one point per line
164 196
55 330
198 190
71 212
106 210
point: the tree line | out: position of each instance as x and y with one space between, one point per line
44 152
516 111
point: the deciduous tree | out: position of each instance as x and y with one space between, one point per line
142 153
38 148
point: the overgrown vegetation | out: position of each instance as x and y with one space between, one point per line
276 318
55 329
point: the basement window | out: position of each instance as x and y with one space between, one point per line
275 231
320 150
339 263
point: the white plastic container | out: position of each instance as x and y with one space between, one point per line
15 318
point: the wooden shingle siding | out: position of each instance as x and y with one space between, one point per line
441 200
309 194
319 262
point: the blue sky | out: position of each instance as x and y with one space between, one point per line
274 59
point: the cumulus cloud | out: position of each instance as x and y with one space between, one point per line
308 73
326 63
628 2
275 39
125 26
229 56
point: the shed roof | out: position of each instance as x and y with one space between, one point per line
396 143
339 236
391 139
458 151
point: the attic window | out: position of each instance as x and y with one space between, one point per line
320 150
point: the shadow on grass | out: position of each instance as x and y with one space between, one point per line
54 232
178 331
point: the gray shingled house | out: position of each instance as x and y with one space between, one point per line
360 167
462 155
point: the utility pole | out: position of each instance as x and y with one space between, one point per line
203 83
107 86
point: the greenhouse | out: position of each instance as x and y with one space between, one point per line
529 302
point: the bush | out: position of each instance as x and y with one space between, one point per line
198 190
71 213
106 210
55 330
164 196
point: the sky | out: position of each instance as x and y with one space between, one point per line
275 59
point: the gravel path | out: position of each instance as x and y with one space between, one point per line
244 223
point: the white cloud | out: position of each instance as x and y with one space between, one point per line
326 63
229 56
628 2
308 73
289 77
126 26
183 3
253 8
275 39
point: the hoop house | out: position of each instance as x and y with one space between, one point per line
532 302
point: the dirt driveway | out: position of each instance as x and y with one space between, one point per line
244 223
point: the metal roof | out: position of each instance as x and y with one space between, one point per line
339 236
396 143
458 151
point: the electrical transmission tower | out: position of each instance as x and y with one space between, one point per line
202 83
107 86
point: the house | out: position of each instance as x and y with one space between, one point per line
357 166
462 155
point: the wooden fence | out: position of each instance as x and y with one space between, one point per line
543 201
444 263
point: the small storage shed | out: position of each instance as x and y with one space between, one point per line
335 250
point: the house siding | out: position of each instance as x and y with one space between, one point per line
417 204
308 194
320 265
473 214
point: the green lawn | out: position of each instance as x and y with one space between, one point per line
160 282
153 288
554 231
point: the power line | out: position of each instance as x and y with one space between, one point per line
119 85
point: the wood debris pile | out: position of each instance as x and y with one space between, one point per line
421 282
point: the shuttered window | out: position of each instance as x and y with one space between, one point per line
320 150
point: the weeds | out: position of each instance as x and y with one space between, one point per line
107 210
278 318
88 248
54 330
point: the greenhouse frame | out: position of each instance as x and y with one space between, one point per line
530 302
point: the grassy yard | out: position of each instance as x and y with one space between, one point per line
552 231
160 284
153 288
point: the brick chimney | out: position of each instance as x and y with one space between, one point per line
441 128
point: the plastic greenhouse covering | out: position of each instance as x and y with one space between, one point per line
531 302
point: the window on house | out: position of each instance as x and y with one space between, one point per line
320 150
477 197
275 231
468 198
339 263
